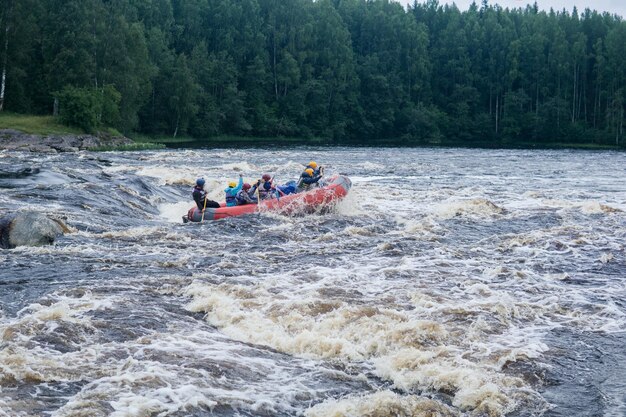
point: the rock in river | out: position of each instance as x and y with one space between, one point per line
29 229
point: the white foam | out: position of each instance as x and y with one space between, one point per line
382 404
471 207
587 207
141 383
240 167
595 207
605 258
173 212
363 179
350 205
133 232
4 407
391 339
170 176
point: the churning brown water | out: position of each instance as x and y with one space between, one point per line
450 282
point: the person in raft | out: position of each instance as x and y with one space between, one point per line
266 187
317 170
289 187
247 195
308 180
232 190
200 196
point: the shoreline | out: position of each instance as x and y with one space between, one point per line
16 140
251 142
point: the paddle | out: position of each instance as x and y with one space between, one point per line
205 198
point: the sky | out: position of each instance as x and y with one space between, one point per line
611 6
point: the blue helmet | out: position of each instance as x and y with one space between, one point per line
200 182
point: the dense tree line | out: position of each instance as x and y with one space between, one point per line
346 70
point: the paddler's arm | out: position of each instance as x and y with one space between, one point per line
240 185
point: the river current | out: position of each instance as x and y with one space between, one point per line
450 282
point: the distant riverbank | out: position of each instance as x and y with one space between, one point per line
45 134
248 141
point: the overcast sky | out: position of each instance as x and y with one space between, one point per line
611 6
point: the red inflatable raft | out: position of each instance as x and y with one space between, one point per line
332 190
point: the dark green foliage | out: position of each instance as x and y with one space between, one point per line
109 100
358 71
89 108
79 107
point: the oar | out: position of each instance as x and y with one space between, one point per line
205 198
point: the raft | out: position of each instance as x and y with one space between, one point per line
331 191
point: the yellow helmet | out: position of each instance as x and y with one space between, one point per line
309 171
313 164
232 184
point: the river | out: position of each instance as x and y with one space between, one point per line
450 282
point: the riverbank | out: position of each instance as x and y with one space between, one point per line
45 134
247 142
15 140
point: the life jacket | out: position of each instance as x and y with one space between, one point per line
307 182
243 197
231 197
198 196
265 190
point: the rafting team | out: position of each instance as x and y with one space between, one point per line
241 193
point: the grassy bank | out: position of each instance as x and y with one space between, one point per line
43 125
36 125
49 125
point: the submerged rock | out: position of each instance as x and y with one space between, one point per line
11 171
29 229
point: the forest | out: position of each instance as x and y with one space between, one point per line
348 71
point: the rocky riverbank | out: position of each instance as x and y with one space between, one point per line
19 141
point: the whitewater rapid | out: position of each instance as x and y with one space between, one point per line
450 282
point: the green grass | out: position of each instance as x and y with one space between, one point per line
44 125
111 131
37 125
